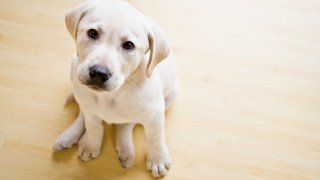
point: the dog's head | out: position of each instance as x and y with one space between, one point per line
112 38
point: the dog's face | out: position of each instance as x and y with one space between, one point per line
112 39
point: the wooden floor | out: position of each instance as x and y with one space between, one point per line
249 106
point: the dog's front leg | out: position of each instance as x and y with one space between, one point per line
158 158
89 145
124 144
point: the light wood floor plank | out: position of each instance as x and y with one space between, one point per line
249 106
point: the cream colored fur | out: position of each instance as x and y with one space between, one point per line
142 86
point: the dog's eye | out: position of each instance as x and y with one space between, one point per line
128 45
93 34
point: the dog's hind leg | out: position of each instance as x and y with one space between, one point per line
71 135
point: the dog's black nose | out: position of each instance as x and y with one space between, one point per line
99 74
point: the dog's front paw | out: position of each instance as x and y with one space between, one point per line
126 157
88 150
159 162
64 141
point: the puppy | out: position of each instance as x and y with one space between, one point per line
124 73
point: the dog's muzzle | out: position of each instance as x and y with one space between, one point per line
99 75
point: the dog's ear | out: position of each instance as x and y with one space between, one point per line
158 46
73 17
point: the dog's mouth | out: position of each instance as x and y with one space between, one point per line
96 88
94 85
100 87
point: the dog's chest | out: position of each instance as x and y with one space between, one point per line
112 109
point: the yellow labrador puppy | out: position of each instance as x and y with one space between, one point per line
124 73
